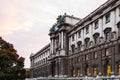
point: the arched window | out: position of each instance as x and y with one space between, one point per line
108 69
119 69
87 71
72 72
95 71
78 72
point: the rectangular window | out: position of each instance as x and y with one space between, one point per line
86 44
79 34
96 24
107 36
86 57
107 53
119 11
72 72
87 29
95 55
72 37
78 60
96 40
73 48
119 48
79 46
107 18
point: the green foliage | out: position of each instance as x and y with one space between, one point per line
11 66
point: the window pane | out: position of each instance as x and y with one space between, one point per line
107 52
87 30
78 72
107 17
108 69
95 55
96 25
95 71
119 69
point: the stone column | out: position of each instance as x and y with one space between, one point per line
52 46
113 58
62 38
100 61
59 40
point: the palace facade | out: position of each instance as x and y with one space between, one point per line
82 47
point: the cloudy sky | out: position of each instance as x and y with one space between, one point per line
26 23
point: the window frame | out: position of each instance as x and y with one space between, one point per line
95 55
107 52
87 29
107 36
86 57
96 24
95 71
73 48
108 69
79 33
96 39
119 69
107 18
78 72
73 38
78 59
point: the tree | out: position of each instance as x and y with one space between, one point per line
11 65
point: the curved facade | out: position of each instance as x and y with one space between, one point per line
80 47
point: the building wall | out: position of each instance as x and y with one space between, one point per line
39 62
80 47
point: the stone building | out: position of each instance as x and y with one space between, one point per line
82 47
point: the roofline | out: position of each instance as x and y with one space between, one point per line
45 47
99 9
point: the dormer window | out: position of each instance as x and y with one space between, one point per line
107 18
87 29
96 24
